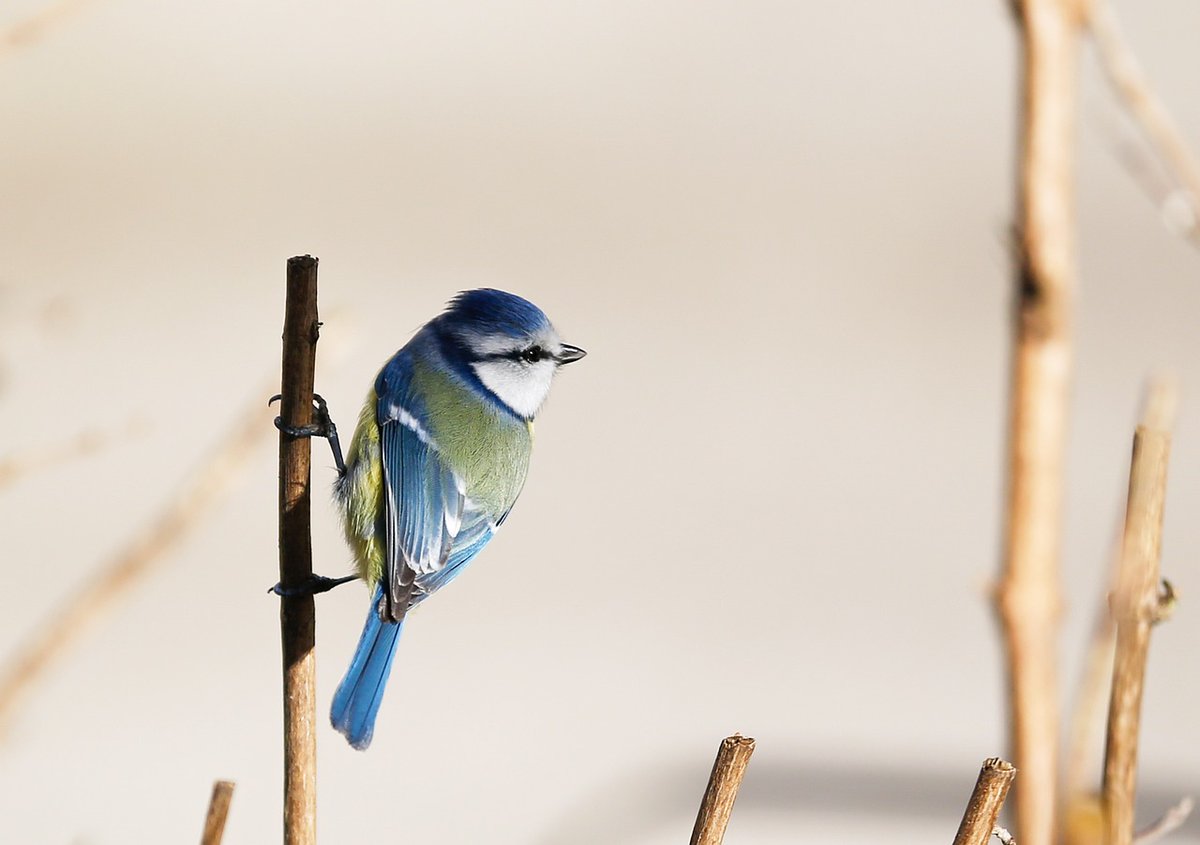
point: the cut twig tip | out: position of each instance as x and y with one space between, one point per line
218 811
991 788
723 783
1160 404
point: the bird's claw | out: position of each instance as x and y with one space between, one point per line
313 585
321 427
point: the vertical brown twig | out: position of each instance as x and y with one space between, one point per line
296 613
1135 607
727 772
218 811
1028 598
1082 801
983 809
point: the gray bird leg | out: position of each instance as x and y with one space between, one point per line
315 584
322 427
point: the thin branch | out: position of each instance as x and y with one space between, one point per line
727 772
297 617
1133 86
84 605
218 810
1160 404
1168 823
1135 606
16 466
979 820
1028 599
28 30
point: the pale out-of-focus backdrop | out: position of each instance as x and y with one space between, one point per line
768 501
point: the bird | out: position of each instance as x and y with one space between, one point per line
438 458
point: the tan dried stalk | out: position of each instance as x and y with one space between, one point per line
218 811
979 819
85 604
1159 409
1028 597
1135 608
17 466
1132 85
30 29
723 784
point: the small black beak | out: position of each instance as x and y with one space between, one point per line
568 354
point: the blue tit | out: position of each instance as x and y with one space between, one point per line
437 461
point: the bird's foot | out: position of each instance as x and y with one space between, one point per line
315 584
322 426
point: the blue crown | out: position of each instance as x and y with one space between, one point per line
490 311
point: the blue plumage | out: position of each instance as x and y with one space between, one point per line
360 693
447 437
486 311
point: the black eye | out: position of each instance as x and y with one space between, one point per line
533 354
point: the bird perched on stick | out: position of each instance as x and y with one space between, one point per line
437 461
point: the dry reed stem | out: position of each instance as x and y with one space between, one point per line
28 30
728 770
16 466
1133 86
1135 607
110 582
297 614
1168 823
979 819
218 811
1160 404
1028 598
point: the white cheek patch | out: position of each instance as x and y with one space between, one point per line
522 387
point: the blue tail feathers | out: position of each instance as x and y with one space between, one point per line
360 693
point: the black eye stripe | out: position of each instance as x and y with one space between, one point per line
530 355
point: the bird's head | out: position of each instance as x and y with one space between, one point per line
508 344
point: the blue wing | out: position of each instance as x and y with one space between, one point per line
424 499
477 530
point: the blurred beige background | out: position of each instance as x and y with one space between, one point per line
768 501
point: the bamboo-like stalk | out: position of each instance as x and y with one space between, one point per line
1132 85
723 783
1167 823
1159 408
30 29
1135 606
16 466
297 617
979 819
149 548
1028 597
218 811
